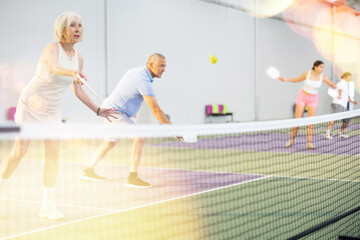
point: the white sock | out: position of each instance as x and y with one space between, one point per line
48 195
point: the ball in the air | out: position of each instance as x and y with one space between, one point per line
213 59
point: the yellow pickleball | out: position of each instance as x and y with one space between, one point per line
213 59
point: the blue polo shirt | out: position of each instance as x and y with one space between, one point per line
128 93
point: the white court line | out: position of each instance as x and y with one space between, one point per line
235 173
313 178
58 204
161 168
209 171
258 174
132 208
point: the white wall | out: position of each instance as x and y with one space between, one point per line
187 32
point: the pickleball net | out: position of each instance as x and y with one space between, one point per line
237 181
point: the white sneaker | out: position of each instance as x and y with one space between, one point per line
289 143
328 135
49 211
309 145
342 135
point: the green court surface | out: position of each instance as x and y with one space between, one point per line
298 191
230 213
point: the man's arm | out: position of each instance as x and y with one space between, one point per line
354 102
156 110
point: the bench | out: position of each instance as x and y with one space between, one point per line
218 111
11 113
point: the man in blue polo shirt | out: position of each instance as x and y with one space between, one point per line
127 97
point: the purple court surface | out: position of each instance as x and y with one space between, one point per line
275 142
20 198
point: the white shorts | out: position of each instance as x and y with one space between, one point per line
122 118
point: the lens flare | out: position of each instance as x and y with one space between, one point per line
261 8
6 75
332 27
336 35
11 78
5 70
300 17
19 86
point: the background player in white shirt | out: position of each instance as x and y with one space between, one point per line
339 104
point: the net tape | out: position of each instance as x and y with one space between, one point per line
81 130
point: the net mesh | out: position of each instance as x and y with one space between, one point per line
237 181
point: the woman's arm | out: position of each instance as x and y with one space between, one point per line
299 79
79 91
329 82
84 98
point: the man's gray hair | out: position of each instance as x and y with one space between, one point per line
155 56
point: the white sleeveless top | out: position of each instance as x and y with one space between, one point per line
311 86
40 100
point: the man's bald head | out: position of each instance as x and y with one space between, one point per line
156 65
155 57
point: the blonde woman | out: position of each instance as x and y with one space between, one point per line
308 96
339 104
40 102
